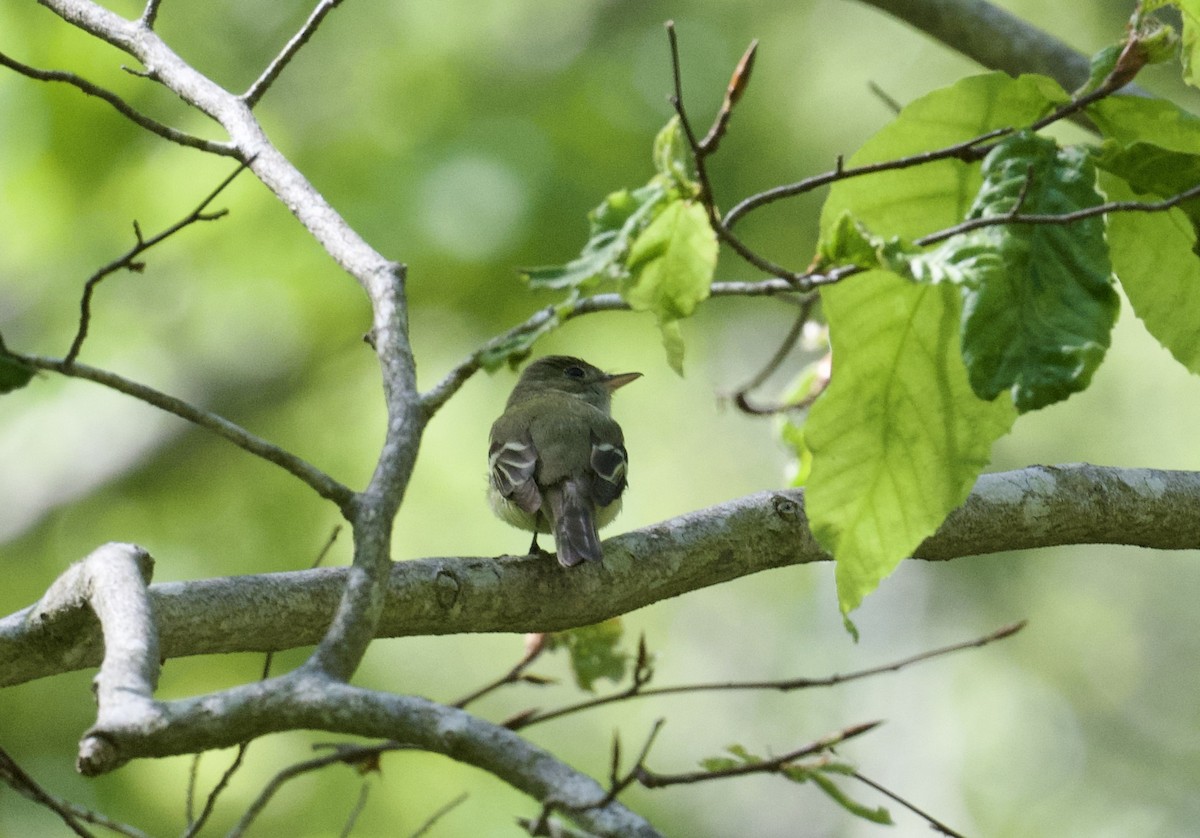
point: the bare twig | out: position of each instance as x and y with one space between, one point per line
635 690
439 814
122 107
535 644
360 804
150 13
652 780
23 784
433 399
72 814
319 481
966 151
1062 218
936 824
741 395
700 152
618 783
264 82
128 261
883 96
352 755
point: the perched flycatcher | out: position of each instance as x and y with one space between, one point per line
557 458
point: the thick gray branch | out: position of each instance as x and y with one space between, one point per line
993 37
301 701
1034 507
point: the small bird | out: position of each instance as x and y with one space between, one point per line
556 457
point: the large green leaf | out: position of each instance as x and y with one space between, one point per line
918 200
1037 319
1152 144
1131 119
899 437
1154 256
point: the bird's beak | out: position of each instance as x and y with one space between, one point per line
612 382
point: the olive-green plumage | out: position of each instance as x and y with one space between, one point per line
557 460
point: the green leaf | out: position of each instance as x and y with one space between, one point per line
14 373
877 814
619 219
1038 319
922 199
805 387
514 347
671 263
672 341
614 224
1131 119
594 651
899 437
1152 144
1190 11
1154 256
673 159
671 267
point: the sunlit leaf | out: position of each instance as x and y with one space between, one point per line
1154 256
671 267
673 159
899 437
912 202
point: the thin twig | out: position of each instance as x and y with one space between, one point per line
71 814
347 754
636 691
210 802
439 814
534 646
699 154
1063 218
264 82
128 261
652 780
317 480
122 107
359 805
937 825
967 150
433 399
618 784
741 395
883 96
150 13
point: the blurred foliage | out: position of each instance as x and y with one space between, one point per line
468 139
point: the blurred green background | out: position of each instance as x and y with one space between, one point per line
468 139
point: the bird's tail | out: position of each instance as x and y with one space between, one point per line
575 535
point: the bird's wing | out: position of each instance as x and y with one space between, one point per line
609 462
512 461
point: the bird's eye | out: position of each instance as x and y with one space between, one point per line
573 372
